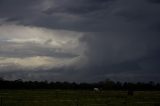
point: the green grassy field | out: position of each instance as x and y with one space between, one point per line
77 98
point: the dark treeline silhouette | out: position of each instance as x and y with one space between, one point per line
104 85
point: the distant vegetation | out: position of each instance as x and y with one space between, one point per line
104 85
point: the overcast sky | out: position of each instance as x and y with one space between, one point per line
80 40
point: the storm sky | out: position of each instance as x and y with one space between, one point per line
80 40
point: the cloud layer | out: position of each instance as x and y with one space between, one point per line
83 40
32 47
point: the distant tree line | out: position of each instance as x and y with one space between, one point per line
104 85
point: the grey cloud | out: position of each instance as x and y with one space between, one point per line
132 15
31 50
55 74
154 1
73 14
155 27
14 19
81 7
122 37
17 8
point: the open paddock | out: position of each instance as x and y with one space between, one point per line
77 98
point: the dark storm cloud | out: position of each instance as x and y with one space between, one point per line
154 1
63 14
17 8
95 15
122 36
81 7
129 46
155 27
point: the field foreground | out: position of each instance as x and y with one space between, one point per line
77 98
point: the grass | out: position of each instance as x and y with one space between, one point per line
77 98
